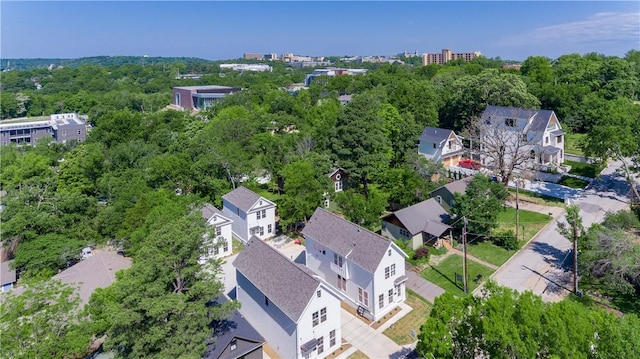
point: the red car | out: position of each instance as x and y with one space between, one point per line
471 164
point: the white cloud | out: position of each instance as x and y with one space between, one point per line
601 27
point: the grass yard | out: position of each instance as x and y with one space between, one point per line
400 333
537 198
585 169
573 182
358 355
531 222
572 143
489 252
443 274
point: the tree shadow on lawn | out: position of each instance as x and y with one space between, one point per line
446 277
553 255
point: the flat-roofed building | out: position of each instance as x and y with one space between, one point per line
252 56
447 55
61 127
198 97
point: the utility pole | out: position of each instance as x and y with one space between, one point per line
464 247
574 226
517 208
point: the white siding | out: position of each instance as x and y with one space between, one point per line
382 285
306 330
243 222
239 218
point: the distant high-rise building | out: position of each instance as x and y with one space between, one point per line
252 56
447 55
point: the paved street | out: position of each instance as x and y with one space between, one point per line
545 264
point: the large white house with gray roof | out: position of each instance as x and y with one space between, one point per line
220 245
420 224
252 215
297 313
366 269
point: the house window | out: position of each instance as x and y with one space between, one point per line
393 269
315 318
363 297
404 232
337 260
338 186
386 273
264 213
262 231
258 215
320 345
434 146
389 252
546 140
178 99
524 138
381 301
559 139
449 145
225 246
234 344
319 294
390 296
269 228
218 231
323 315
342 283
332 338
79 132
439 199
64 133
532 154
510 122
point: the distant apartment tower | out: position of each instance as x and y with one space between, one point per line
271 56
446 56
27 130
196 98
252 56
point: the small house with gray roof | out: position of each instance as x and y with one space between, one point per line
296 312
444 195
220 245
8 276
252 214
420 224
536 134
441 146
366 269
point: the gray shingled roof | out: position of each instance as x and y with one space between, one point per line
286 284
434 134
242 198
234 327
427 216
351 241
538 124
208 210
459 186
8 275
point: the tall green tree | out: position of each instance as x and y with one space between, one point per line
44 321
480 205
163 305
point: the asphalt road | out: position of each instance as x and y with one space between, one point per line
545 265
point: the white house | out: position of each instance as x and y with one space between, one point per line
536 134
441 146
220 245
252 215
297 314
366 269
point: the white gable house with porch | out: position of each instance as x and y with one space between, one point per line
441 146
534 133
297 314
252 215
366 269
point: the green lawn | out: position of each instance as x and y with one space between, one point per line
531 222
400 333
571 143
489 252
444 273
538 198
573 182
585 169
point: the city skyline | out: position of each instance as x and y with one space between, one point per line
218 30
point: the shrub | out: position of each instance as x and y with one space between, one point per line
505 239
422 252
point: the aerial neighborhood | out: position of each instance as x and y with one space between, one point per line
289 206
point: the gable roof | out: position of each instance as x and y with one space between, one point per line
427 216
539 118
8 275
435 135
226 330
287 285
243 198
459 186
349 240
208 210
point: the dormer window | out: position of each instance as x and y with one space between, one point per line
233 345
510 122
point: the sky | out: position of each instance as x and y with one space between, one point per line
220 30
